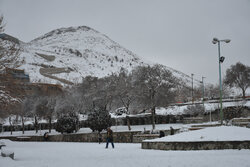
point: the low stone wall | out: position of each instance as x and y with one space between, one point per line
141 137
190 120
205 125
203 145
119 137
229 113
147 119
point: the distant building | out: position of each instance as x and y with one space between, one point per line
18 84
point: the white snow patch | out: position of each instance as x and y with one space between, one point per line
222 133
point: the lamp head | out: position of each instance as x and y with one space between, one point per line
215 40
222 59
227 40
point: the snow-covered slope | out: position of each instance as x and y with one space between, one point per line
74 52
66 55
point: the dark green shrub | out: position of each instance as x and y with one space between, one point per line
99 120
67 124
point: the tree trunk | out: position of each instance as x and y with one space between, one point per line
50 125
128 122
10 125
22 124
36 124
153 108
244 93
127 118
99 137
153 117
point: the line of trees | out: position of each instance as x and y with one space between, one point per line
144 88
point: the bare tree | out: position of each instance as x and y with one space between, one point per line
238 76
9 49
51 103
154 82
97 91
213 91
125 92
40 108
1 24
7 102
43 107
24 111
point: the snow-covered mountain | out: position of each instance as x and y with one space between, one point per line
66 55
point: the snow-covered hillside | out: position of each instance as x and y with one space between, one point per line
66 55
74 52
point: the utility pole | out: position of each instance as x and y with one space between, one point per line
192 75
203 96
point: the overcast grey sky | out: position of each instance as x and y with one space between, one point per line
176 33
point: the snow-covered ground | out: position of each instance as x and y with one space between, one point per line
42 154
220 133
64 154
178 110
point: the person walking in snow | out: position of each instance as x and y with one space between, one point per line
171 130
162 134
46 136
109 138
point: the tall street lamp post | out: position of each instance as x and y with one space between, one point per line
192 75
203 95
221 59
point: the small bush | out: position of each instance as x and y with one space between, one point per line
99 120
66 124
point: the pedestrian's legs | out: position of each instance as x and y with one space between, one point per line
107 143
112 144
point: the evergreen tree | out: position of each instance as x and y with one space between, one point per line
67 123
99 119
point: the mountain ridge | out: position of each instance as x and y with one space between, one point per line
74 52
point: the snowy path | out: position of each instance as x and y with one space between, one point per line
37 154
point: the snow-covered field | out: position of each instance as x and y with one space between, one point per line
64 154
220 133
42 154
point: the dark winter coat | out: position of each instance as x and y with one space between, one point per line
46 136
171 131
110 134
162 134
